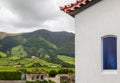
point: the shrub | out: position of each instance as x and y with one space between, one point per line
65 71
10 76
52 73
38 82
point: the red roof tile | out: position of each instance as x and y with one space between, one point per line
73 6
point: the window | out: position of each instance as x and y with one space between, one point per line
37 77
109 53
41 77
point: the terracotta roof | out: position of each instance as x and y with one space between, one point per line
79 4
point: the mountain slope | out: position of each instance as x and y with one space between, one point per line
35 46
3 35
67 49
57 38
40 40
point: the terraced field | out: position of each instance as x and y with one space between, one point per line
66 59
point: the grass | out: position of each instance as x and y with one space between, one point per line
6 64
4 61
7 69
67 59
27 62
12 69
46 56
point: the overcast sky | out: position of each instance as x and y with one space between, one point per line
28 15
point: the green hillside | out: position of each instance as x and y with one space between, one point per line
66 59
18 51
42 44
67 49
35 46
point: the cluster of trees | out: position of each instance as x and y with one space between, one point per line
53 73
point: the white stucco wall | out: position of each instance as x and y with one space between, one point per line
99 20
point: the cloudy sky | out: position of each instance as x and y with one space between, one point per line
28 15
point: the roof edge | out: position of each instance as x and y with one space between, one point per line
80 9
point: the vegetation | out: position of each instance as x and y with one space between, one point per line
41 82
67 49
25 62
65 71
31 44
10 76
3 35
38 49
37 46
14 69
15 61
52 73
66 59
3 55
18 51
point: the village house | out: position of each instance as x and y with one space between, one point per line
33 57
36 77
97 41
65 78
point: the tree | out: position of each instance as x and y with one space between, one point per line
52 73
41 53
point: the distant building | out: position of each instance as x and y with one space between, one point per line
18 66
65 78
36 77
33 57
54 66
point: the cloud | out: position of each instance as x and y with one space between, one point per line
33 14
60 23
65 2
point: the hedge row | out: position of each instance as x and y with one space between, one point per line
38 82
10 76
41 82
53 73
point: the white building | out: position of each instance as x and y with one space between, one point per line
97 43
65 78
36 77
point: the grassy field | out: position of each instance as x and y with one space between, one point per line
8 64
67 59
28 62
11 69
8 69
25 62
